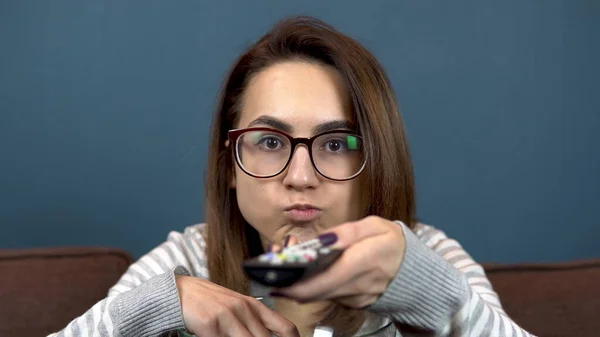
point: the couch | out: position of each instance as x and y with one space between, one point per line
42 290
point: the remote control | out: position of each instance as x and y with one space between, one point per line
292 264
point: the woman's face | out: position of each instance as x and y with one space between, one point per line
301 97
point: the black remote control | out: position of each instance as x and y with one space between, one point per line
292 264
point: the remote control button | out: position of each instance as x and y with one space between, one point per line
271 276
324 251
314 243
309 258
265 257
293 249
276 260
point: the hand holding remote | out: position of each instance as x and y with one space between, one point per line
373 253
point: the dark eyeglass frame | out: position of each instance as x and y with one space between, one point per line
233 135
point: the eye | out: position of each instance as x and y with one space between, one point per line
270 142
335 145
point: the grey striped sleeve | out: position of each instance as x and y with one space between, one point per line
150 309
96 320
433 293
145 301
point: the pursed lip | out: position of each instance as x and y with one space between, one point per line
301 207
302 212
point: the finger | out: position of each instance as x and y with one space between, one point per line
286 240
292 240
275 248
356 301
362 291
231 326
273 321
349 233
252 321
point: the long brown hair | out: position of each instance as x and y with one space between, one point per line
389 184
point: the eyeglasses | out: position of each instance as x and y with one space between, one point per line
265 152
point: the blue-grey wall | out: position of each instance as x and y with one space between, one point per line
105 108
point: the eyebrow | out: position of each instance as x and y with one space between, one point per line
288 128
272 122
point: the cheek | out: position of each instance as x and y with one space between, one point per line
349 203
254 201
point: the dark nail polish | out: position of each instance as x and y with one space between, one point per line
287 240
276 294
269 247
328 239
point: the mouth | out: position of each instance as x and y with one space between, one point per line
302 212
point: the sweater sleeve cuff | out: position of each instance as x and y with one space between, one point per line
427 290
152 308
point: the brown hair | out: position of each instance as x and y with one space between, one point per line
388 175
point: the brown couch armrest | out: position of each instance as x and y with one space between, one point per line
550 299
42 290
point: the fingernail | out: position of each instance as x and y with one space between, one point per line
328 239
269 247
287 240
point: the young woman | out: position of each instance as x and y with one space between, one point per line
307 142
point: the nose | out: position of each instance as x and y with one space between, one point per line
301 174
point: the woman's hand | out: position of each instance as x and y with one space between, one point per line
212 310
374 250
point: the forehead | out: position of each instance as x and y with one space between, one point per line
298 92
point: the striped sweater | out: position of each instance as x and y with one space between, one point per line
439 290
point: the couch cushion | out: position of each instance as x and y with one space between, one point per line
551 299
42 290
